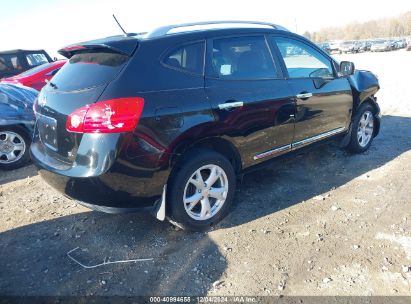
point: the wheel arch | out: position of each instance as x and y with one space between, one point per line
371 100
20 126
221 145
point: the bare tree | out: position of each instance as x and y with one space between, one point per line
388 27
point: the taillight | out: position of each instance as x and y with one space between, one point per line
108 116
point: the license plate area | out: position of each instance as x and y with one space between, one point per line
47 128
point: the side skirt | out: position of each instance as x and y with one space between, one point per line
299 144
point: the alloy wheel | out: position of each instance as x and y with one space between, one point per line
205 192
12 147
365 129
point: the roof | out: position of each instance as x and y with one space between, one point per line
20 51
126 44
207 26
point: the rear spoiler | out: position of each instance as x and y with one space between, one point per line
117 44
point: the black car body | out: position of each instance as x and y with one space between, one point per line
127 118
16 124
17 61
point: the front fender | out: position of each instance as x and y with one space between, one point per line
364 84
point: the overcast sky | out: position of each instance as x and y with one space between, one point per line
51 24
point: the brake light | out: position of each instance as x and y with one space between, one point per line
108 116
74 48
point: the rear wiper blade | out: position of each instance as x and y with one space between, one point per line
53 85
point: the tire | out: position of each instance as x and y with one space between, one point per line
360 143
14 147
179 188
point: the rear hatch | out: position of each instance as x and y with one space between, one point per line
80 82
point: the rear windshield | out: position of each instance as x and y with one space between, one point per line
88 70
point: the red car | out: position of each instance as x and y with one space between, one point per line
36 77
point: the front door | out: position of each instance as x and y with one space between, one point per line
251 100
323 100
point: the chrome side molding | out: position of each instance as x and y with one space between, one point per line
299 144
307 141
275 152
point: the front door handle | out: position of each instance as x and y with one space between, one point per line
304 95
229 105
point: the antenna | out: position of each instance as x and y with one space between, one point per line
118 23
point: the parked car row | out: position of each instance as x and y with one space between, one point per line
356 46
17 95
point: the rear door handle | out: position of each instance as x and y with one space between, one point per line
229 105
304 95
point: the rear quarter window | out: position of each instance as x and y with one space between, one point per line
88 70
187 58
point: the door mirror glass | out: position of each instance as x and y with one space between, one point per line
346 68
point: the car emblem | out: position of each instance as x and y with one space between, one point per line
42 101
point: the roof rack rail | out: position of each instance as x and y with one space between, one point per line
164 30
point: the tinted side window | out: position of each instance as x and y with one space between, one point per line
302 61
189 58
243 58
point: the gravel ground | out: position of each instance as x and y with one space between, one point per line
321 223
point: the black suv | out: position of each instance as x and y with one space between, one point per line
166 120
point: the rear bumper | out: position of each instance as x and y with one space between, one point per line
108 192
103 177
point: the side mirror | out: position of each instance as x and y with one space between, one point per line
347 68
55 59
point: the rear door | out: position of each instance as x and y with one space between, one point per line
323 100
251 100
81 81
